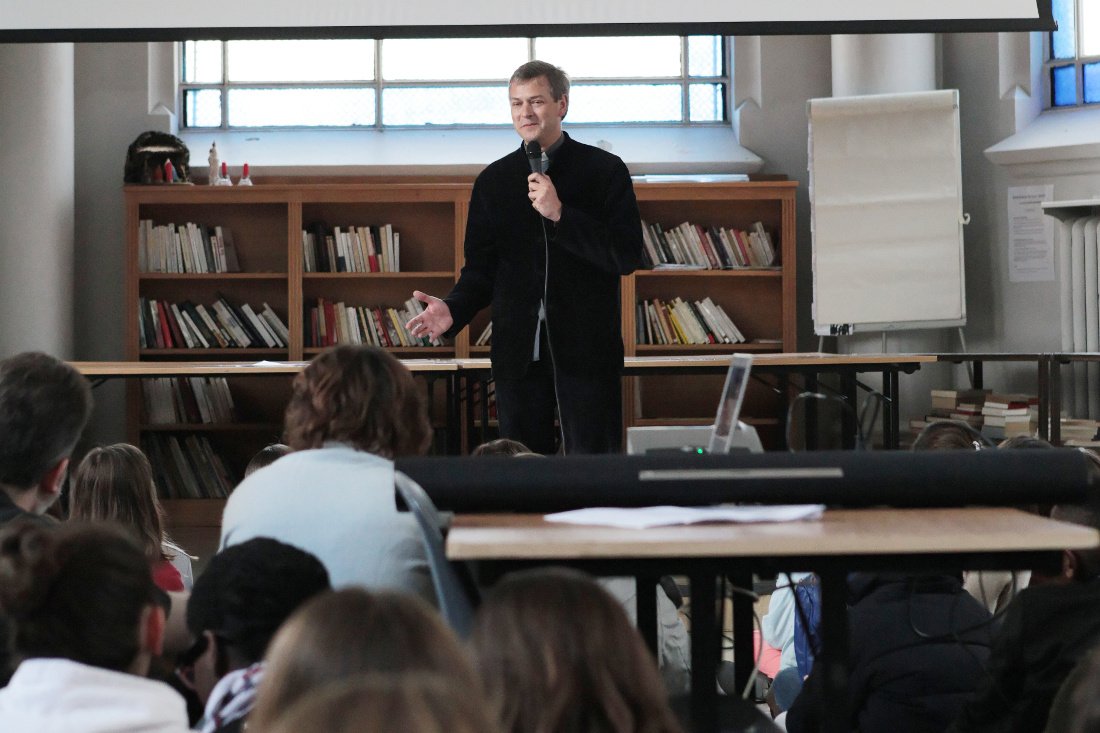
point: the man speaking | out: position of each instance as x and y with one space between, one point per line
552 226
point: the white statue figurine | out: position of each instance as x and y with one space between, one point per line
212 175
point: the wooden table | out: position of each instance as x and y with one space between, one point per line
810 365
906 540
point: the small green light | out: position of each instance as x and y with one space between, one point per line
700 451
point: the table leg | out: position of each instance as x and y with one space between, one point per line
471 415
891 414
744 656
646 607
849 419
1055 401
705 655
833 656
1043 392
810 405
978 380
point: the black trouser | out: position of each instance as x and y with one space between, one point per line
590 410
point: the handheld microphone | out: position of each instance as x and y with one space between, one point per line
534 156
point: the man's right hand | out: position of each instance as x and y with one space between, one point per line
434 321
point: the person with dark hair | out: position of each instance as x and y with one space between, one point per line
352 411
950 435
1076 707
265 457
379 703
44 404
241 599
354 631
557 654
86 620
552 227
115 483
500 447
1047 629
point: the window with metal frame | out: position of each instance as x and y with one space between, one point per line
454 82
1073 54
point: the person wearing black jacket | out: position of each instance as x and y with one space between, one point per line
546 250
918 645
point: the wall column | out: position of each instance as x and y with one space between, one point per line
37 198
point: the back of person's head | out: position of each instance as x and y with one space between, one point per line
44 404
555 77
115 483
77 591
1080 565
375 703
950 435
1024 442
557 654
265 457
361 396
500 447
1076 708
246 593
353 631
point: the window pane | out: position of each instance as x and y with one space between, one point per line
202 62
1063 42
1090 27
1091 83
707 102
1063 85
705 56
301 61
446 59
622 102
202 108
445 106
634 56
300 107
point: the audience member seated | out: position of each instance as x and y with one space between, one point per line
374 703
86 620
950 435
115 484
501 447
1076 707
265 457
354 631
241 599
1047 629
918 646
557 654
44 404
777 629
352 410
673 640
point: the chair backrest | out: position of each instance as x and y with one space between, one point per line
454 589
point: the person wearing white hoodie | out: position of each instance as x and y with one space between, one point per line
86 620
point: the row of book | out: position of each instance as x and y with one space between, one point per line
185 325
351 249
685 322
186 248
329 323
996 415
186 466
712 248
175 400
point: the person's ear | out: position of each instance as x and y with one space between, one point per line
1071 564
49 488
563 106
152 630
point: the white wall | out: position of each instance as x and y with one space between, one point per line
36 199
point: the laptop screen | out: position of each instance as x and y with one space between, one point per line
729 408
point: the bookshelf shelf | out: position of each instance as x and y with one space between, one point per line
236 427
216 276
776 272
203 353
377 275
655 349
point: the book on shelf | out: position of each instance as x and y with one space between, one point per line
329 323
351 248
693 246
224 324
486 336
178 400
186 466
186 248
685 322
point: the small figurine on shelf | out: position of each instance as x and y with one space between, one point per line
223 178
245 180
169 171
212 174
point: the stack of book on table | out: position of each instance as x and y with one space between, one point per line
1009 415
